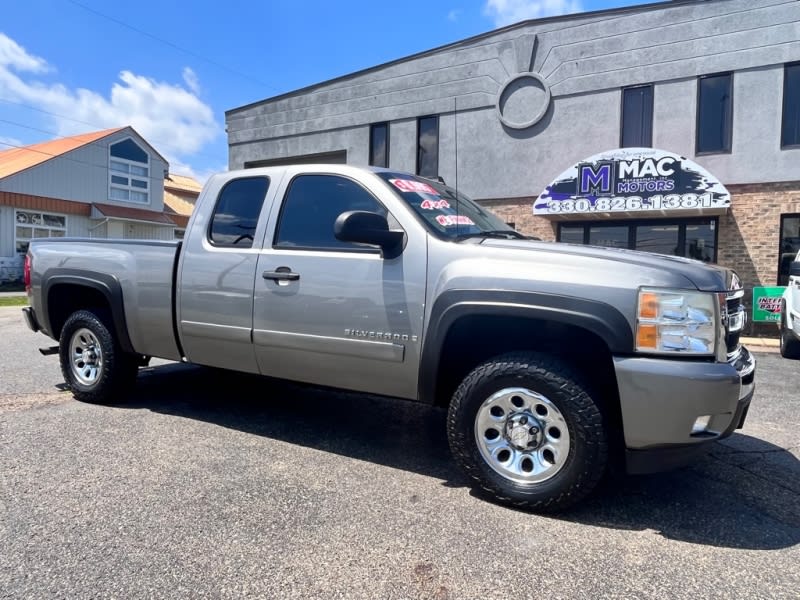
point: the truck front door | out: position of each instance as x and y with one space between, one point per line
332 312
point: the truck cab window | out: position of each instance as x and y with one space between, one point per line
235 217
312 204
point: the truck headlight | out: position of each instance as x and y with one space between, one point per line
676 321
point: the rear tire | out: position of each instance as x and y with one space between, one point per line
94 366
790 345
525 429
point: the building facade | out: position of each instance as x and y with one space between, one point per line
501 115
104 184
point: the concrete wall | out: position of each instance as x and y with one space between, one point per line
584 61
83 175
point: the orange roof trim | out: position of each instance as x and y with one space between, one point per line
14 160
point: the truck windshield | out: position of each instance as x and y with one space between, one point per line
452 216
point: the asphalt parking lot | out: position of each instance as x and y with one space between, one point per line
211 484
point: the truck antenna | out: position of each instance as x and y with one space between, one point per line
455 127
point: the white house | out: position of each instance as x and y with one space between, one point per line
104 184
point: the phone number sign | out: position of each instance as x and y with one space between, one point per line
632 180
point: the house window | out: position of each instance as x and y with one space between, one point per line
428 146
637 117
379 145
714 113
30 225
129 173
790 126
789 246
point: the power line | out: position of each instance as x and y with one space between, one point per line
63 155
92 125
170 44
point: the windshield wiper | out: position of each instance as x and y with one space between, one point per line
502 234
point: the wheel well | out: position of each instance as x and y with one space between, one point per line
65 298
472 340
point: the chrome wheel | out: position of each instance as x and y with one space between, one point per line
522 435
87 357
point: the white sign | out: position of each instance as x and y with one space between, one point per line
632 180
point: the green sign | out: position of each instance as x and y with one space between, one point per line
767 304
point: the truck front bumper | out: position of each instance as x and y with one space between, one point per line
672 409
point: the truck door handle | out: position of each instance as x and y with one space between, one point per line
281 274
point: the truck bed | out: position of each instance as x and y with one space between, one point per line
142 271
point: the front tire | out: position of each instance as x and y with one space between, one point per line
525 428
790 345
94 366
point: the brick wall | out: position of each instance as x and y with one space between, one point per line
520 212
749 233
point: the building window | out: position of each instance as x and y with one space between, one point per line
129 175
790 126
714 113
692 238
637 117
30 225
428 146
235 217
789 246
379 145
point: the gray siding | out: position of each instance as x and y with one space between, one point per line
83 175
6 231
584 60
144 231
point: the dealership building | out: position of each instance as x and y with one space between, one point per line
710 88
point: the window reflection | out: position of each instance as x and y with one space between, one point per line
692 238
428 146
615 236
789 245
662 239
715 113
700 242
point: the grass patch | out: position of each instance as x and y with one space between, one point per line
14 301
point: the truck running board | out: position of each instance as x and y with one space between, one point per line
49 350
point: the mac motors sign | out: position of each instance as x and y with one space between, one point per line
633 180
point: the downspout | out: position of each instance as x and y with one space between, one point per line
91 229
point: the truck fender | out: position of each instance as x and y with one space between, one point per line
601 319
108 286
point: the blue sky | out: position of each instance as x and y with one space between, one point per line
171 69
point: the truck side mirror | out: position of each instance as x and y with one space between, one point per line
369 228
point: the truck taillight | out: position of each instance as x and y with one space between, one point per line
26 273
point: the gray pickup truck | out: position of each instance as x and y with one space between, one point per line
554 361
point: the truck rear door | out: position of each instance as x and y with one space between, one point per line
217 271
338 313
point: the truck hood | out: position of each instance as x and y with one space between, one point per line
704 276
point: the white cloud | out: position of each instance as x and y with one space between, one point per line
504 12
177 167
172 118
454 14
190 77
15 56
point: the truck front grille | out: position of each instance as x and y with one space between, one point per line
734 319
